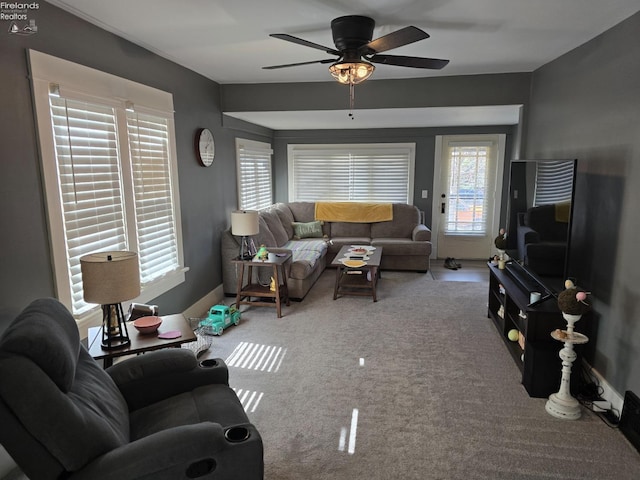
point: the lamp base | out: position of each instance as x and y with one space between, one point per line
114 328
247 248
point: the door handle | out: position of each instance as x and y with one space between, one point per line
442 207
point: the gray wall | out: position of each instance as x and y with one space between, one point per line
586 104
207 195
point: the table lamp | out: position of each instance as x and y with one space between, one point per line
244 223
109 278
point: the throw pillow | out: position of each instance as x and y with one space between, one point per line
307 229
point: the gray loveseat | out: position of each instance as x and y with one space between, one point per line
406 243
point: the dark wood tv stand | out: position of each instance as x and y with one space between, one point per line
509 309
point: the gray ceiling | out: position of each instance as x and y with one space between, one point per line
228 40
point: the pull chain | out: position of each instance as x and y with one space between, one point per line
352 99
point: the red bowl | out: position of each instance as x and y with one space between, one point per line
148 324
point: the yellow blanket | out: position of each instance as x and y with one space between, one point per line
562 212
354 212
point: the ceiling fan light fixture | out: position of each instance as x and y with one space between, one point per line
352 72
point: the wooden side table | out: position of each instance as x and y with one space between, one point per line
245 293
141 343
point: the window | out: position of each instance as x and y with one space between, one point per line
110 175
468 176
362 173
153 196
253 160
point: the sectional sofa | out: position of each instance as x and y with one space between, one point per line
293 226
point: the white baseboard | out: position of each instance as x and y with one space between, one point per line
202 306
608 392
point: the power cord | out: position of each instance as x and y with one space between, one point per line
589 392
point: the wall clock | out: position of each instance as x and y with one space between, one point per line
205 147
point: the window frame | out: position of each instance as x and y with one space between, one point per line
93 86
357 150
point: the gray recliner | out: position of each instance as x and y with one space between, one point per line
161 415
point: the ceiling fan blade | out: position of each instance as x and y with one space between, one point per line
326 60
396 39
306 43
414 62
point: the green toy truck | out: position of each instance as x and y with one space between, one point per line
219 318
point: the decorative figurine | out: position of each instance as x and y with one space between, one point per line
263 253
501 240
573 299
501 244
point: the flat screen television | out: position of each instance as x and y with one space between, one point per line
540 206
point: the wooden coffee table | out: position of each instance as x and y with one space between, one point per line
141 343
357 279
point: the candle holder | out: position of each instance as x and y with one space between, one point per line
562 404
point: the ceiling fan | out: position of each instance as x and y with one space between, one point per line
357 52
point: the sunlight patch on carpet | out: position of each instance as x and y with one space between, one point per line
342 442
249 399
254 356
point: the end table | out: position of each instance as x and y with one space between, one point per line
245 293
141 343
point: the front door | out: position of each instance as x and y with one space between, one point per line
468 175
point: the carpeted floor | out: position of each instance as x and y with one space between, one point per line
415 386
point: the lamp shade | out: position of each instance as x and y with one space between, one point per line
351 72
244 223
110 277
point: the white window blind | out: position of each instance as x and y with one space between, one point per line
468 179
364 173
318 176
254 174
89 173
554 182
154 206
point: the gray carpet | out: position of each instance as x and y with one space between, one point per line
415 386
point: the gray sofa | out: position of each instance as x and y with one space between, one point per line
406 243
